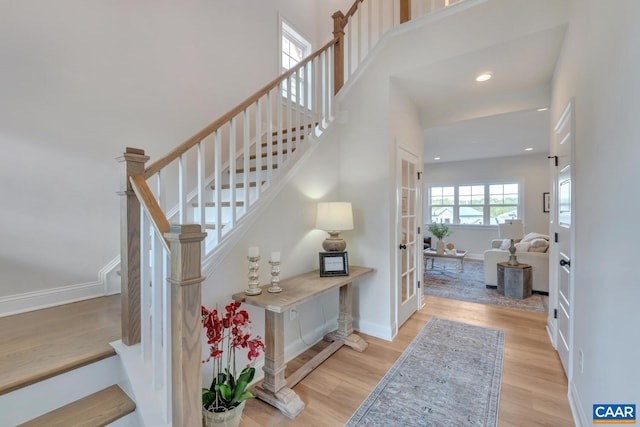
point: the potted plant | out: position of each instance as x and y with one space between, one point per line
224 400
440 230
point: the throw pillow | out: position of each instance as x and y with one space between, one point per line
529 237
522 246
539 245
505 245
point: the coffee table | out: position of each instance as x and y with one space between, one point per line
459 257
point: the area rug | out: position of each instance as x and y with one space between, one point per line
470 286
448 376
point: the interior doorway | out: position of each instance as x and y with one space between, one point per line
408 213
562 226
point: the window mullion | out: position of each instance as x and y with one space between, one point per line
456 205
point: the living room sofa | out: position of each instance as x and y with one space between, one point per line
528 251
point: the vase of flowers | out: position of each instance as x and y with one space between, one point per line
440 230
224 400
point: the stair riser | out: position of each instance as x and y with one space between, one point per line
225 195
210 215
32 401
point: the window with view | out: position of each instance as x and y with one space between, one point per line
294 48
474 204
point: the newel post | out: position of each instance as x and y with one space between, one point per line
405 11
186 346
339 22
132 164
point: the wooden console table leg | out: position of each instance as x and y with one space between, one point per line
272 389
344 332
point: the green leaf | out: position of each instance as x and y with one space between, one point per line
207 397
245 396
247 374
224 390
240 387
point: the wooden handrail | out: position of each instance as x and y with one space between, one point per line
150 205
156 166
352 10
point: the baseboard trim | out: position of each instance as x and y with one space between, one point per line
15 304
533 291
384 332
579 418
109 276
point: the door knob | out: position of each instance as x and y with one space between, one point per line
403 246
563 263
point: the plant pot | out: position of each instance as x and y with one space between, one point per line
230 418
440 247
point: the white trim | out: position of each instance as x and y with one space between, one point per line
299 36
14 304
109 276
579 418
375 329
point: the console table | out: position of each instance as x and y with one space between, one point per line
275 389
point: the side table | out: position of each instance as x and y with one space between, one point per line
514 281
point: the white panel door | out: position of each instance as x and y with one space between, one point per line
564 140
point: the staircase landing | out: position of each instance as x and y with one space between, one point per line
45 343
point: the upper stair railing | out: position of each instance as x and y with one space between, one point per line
211 181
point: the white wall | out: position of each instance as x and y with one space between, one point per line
83 80
599 67
287 225
531 170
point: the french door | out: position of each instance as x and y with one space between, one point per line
408 247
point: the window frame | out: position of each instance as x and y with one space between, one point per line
285 28
487 206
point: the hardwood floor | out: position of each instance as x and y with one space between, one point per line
533 393
534 387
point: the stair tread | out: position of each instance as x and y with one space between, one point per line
253 169
97 409
223 204
308 126
274 142
274 154
44 343
238 185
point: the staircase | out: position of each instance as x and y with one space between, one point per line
58 368
214 182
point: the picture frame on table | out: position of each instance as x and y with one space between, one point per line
546 202
334 264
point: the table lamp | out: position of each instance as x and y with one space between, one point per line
512 229
334 217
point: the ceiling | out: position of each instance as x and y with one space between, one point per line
463 119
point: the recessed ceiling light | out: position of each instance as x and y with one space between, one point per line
436 158
484 77
543 109
528 149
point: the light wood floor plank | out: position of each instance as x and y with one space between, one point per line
44 343
534 388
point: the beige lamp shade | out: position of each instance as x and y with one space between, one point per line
334 217
512 229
